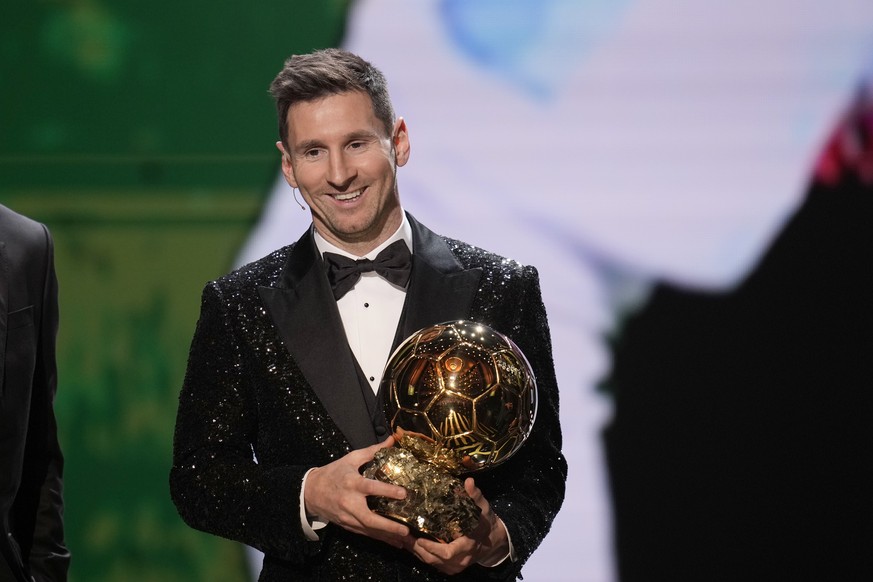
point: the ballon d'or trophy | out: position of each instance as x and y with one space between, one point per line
460 398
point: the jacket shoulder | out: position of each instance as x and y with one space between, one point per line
21 229
471 257
262 272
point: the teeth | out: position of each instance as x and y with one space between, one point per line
348 195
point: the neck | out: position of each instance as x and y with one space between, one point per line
362 245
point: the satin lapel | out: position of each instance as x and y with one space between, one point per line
440 289
4 297
302 308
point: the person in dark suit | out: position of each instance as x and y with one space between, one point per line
280 404
741 443
31 465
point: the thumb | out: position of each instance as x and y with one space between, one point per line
389 442
368 453
476 495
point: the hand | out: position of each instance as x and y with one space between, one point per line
337 493
487 544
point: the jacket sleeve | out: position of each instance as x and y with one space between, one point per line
528 490
41 490
215 481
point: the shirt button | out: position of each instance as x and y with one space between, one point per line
366 305
372 378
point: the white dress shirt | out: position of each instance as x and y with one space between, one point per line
371 310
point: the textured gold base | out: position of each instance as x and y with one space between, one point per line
436 506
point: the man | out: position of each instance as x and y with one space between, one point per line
31 465
280 404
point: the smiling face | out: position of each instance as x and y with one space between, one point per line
345 167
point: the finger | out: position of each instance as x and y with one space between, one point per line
441 557
430 549
447 551
379 488
472 490
376 522
387 531
434 550
389 538
364 521
423 554
389 442
478 498
361 456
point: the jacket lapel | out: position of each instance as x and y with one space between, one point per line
301 306
440 289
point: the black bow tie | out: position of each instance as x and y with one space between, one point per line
394 264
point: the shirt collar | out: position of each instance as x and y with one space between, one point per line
403 232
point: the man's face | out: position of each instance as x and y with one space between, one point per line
345 167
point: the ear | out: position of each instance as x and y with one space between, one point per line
287 167
400 141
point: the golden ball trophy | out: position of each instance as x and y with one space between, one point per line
460 397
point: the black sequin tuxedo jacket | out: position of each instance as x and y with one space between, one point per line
31 464
270 373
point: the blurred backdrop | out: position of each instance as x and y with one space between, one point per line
657 160
142 135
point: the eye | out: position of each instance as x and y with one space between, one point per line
312 154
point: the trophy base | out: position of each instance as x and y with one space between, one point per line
436 506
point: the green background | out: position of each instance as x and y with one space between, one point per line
142 134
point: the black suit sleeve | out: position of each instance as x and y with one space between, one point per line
528 490
215 482
41 490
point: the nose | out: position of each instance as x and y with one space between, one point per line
340 172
